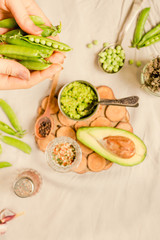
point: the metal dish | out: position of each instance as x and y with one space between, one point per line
84 118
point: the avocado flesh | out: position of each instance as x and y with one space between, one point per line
92 136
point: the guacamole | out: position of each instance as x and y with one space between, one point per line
75 99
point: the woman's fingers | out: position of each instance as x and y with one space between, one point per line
56 57
9 82
19 12
34 9
13 68
38 76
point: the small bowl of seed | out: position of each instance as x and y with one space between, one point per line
150 77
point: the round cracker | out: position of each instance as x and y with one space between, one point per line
66 131
115 113
65 120
42 143
96 163
101 122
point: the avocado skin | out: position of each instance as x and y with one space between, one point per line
90 137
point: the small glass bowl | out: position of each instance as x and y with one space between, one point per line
55 166
27 183
95 109
142 81
113 45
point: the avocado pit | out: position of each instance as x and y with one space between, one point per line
121 146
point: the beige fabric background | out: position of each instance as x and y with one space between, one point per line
122 203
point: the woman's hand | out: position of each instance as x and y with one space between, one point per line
13 75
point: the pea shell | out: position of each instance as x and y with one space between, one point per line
16 143
8 23
55 44
5 164
32 65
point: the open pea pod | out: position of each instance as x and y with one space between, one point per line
16 40
47 42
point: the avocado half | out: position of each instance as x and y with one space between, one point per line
92 137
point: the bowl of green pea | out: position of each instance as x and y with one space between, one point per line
111 59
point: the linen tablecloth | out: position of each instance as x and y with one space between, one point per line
122 203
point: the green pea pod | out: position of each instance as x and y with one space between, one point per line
153 32
12 50
37 20
150 41
8 23
44 52
0 149
47 42
140 26
16 143
47 30
13 33
35 65
11 115
5 164
20 57
7 129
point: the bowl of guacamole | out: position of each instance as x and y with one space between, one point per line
75 99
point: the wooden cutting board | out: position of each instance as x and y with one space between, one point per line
109 116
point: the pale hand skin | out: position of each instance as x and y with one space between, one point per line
13 75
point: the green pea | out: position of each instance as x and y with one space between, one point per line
110 51
117 58
121 64
31 39
90 45
118 48
43 42
101 60
110 68
49 44
101 54
105 44
115 69
95 42
108 61
105 65
114 55
60 48
37 40
55 45
131 61
114 63
109 56
138 63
